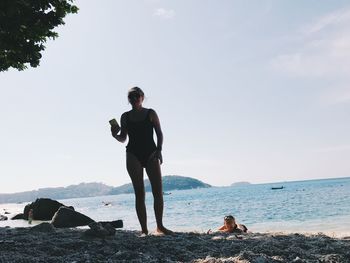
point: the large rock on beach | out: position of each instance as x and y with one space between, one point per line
115 224
60 215
66 217
98 230
18 216
43 209
43 227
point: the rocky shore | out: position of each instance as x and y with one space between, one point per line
49 244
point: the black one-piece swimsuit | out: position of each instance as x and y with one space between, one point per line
141 142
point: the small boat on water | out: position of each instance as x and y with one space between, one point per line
277 188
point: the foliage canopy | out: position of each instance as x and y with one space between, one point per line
25 25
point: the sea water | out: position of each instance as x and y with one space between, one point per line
303 206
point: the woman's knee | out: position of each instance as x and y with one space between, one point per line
157 195
140 195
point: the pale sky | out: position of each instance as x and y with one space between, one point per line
254 91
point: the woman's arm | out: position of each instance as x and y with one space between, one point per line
159 133
222 228
123 131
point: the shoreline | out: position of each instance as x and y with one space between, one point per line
286 230
72 245
339 229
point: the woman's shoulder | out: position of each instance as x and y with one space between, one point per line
151 111
152 115
125 115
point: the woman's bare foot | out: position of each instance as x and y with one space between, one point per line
144 233
164 231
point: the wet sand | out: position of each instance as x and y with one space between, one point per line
72 245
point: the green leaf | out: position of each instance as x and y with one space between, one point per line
25 25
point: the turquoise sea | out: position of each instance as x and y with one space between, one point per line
302 206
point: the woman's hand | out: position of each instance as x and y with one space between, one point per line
115 130
158 155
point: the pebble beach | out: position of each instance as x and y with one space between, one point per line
48 244
291 225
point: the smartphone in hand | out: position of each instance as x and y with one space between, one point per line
115 125
113 122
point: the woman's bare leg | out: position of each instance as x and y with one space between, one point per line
155 178
135 171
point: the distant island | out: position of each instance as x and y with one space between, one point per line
240 183
170 182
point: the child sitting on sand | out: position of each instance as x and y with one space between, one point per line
230 226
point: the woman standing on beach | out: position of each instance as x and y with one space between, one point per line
142 152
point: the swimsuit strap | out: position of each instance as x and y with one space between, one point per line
148 113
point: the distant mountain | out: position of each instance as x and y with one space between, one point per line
170 182
72 191
98 189
240 183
